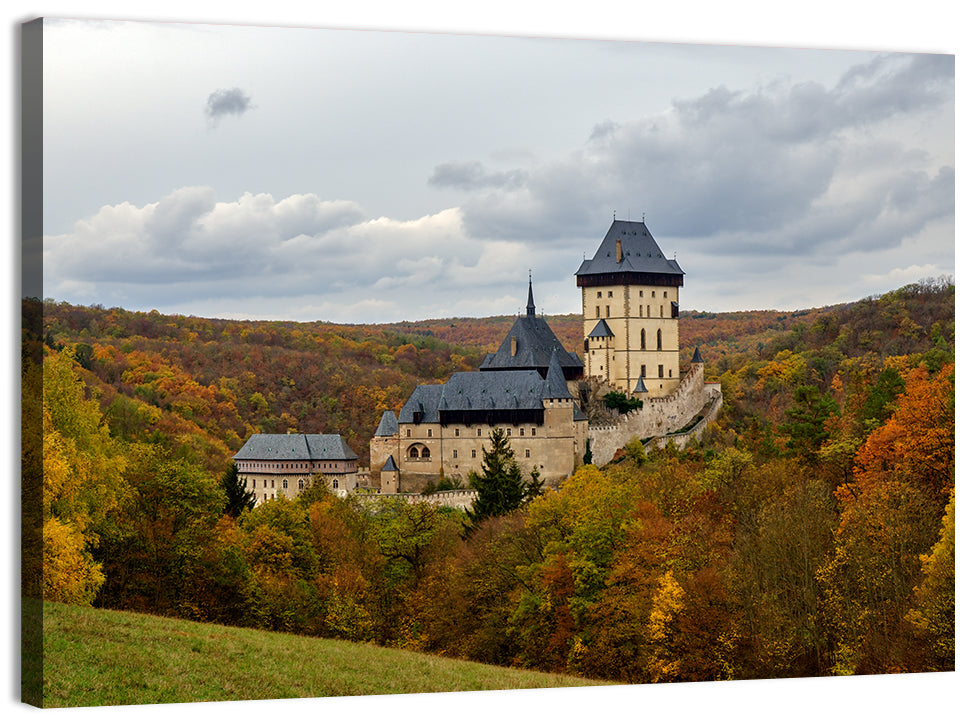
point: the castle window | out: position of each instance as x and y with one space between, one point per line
455 454
473 453
640 294
661 311
334 483
640 310
527 452
659 338
456 432
426 454
413 453
301 484
408 432
607 311
642 339
599 294
610 294
522 431
508 431
670 372
647 311
284 483
533 432
660 369
478 432
429 432
664 293
642 371
654 293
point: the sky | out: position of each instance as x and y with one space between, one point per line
377 176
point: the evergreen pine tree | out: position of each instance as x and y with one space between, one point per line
239 499
500 486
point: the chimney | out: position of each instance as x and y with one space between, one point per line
515 345
619 251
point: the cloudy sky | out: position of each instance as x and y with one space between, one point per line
373 176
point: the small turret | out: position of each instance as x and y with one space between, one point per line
697 358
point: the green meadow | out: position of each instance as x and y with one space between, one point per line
94 657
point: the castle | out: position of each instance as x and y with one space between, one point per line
530 385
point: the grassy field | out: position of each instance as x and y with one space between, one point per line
100 658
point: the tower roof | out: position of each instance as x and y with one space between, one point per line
555 381
388 425
602 330
629 247
533 346
390 464
697 358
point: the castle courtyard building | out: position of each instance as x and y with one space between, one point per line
283 464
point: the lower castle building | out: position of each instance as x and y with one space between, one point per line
522 389
283 464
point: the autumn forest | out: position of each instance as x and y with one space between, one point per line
811 533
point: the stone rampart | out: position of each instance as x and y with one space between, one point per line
658 416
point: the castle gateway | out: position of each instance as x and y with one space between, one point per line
630 311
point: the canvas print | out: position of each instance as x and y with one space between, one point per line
365 362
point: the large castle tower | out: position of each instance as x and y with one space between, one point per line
630 311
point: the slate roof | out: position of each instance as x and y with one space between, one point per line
641 254
390 464
640 386
485 391
697 358
602 330
535 344
388 425
295 447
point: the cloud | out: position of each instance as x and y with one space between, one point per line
785 168
298 254
231 101
473 176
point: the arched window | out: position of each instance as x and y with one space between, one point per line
659 339
413 452
301 484
284 483
426 454
642 339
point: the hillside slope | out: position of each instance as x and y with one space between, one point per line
94 657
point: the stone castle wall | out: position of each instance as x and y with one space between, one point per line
657 417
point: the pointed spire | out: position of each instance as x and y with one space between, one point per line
555 383
697 358
531 305
640 385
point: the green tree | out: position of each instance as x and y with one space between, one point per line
238 497
806 421
500 486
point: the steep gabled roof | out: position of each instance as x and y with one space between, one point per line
388 425
390 464
534 345
555 384
295 447
637 252
602 330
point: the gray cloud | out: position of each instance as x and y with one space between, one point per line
232 101
473 176
786 168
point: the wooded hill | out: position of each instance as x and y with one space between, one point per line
811 532
202 386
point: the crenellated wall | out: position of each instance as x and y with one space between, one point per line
657 417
